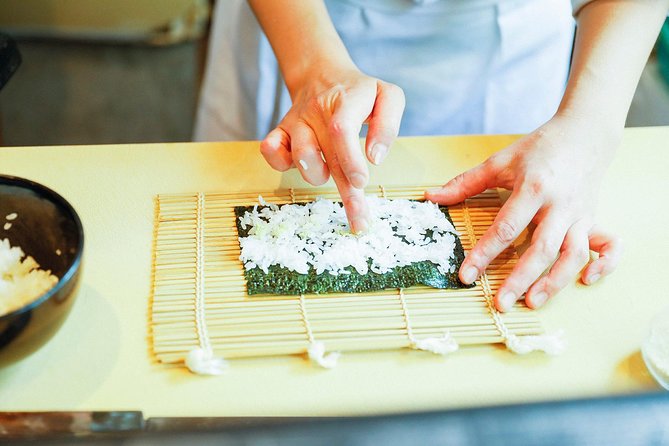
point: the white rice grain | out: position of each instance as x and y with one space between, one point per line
21 279
316 235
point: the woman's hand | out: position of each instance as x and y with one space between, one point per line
320 133
331 100
554 174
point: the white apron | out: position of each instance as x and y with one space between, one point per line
466 66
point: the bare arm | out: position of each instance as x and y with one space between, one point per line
331 101
302 37
555 171
613 42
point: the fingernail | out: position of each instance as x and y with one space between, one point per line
304 165
593 278
436 190
470 274
507 300
358 180
358 225
379 152
539 299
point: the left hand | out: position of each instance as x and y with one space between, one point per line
554 174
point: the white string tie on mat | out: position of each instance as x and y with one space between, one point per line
316 349
552 344
201 360
439 346
316 352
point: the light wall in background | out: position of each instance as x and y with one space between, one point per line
148 21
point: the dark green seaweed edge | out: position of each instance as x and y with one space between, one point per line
280 280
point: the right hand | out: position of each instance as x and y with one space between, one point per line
328 111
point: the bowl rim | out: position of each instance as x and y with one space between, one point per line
55 197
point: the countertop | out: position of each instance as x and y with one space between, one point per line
101 358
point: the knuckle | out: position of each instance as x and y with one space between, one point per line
535 187
579 256
326 102
553 286
458 180
477 258
547 248
505 232
460 183
538 183
339 127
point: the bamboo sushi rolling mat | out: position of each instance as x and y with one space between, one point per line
199 297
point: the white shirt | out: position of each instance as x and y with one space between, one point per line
466 66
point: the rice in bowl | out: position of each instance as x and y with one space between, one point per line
21 279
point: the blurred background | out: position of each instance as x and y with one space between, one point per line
129 71
100 71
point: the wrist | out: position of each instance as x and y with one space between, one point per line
316 69
599 129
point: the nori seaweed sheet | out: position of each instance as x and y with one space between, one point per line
280 280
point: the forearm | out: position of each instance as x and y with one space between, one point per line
613 41
302 36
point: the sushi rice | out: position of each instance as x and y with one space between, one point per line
316 236
21 279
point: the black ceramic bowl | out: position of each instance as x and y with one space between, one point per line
48 229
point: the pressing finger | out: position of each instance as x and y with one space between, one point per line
574 255
306 154
384 122
276 149
610 249
352 198
514 216
544 248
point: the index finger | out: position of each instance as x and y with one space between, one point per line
352 197
511 220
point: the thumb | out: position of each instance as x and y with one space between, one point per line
610 249
465 185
